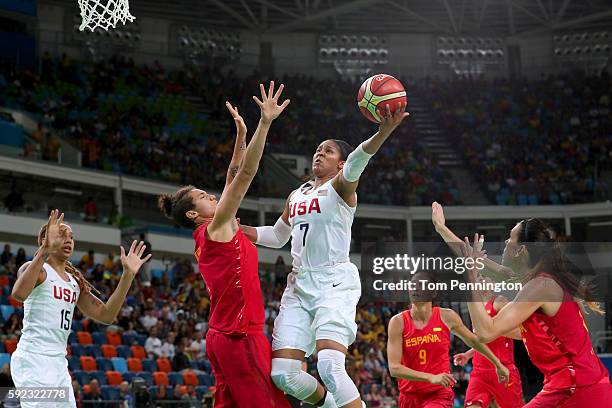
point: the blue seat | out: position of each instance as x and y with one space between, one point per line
175 378
124 351
522 199
81 376
157 273
149 365
554 198
205 379
110 393
93 350
119 364
148 377
194 365
73 363
501 199
6 311
98 375
2 349
141 339
128 376
205 366
77 349
99 338
5 358
128 339
77 325
72 338
200 391
104 364
153 391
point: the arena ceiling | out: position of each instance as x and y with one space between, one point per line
482 17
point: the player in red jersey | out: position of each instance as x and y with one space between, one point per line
238 350
549 316
482 389
418 350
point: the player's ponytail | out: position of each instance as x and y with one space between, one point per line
175 206
547 255
84 285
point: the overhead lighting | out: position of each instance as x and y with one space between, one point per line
600 224
67 191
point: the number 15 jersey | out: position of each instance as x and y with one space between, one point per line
320 223
47 315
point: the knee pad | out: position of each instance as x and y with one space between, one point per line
288 377
333 374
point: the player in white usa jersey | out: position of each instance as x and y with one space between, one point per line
50 287
319 304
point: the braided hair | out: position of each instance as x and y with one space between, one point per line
84 285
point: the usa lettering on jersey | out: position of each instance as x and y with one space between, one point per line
64 294
304 207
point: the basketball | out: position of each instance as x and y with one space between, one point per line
378 92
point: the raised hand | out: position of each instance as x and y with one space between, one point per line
241 128
461 359
437 215
134 260
53 240
473 252
390 121
268 103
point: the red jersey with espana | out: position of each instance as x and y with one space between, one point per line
425 350
502 347
561 348
230 272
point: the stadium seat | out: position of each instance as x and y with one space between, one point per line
77 350
134 364
141 339
98 375
81 376
7 311
194 364
110 392
119 364
113 377
113 338
148 377
163 364
93 350
84 338
175 378
532 199
2 349
205 379
5 358
190 378
108 351
99 338
522 199
148 365
4 280
138 352
128 339
201 390
74 363
123 351
88 363
77 325
10 345
72 338
161 378
104 364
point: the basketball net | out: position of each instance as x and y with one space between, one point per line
104 13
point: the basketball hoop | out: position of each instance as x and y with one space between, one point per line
104 13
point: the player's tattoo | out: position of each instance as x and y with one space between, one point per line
233 170
243 145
